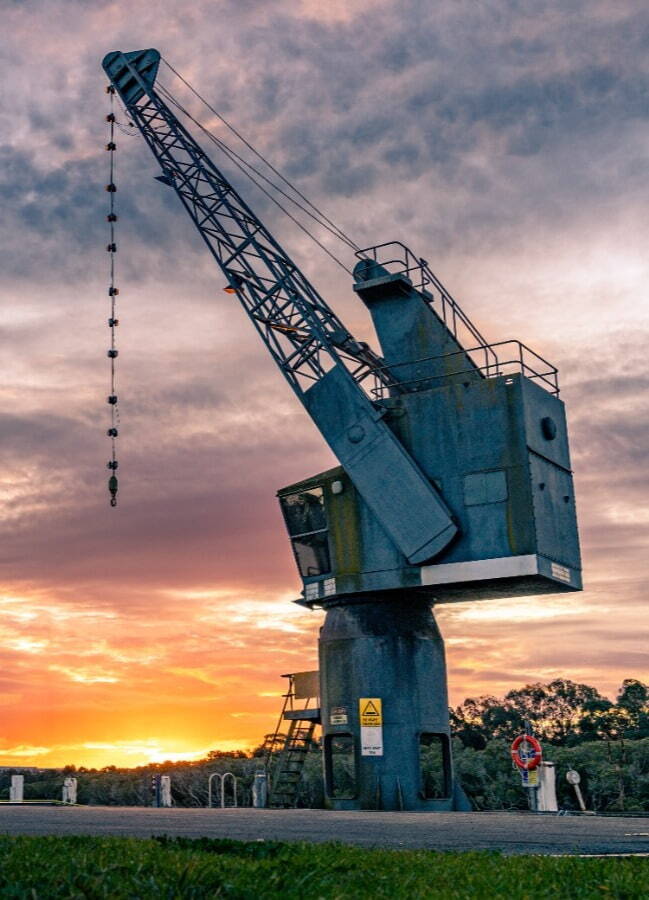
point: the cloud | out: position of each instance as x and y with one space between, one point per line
506 143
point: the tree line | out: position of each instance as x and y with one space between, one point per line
607 742
561 713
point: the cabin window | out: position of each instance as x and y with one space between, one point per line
306 521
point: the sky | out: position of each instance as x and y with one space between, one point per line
506 141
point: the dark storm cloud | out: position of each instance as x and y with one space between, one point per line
476 72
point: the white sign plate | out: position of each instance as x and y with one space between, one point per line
560 572
371 741
338 715
371 718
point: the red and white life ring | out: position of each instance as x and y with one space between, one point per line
531 762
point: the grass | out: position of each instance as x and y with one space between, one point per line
95 867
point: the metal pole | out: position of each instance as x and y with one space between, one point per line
209 788
531 792
234 789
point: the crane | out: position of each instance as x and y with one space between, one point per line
454 480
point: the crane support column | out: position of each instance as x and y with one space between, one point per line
384 708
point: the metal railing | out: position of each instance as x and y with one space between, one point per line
398 259
489 360
222 780
519 358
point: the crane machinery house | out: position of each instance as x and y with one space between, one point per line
454 480
486 427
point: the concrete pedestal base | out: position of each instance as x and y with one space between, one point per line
391 651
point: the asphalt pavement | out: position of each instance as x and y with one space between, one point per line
509 832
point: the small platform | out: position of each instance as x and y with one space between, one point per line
303 715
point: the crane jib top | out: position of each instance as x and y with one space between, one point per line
306 339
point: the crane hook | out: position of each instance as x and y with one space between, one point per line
112 487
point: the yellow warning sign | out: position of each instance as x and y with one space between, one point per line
371 712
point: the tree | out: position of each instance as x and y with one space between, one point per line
590 723
633 699
633 696
468 721
554 710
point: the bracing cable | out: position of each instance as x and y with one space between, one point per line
221 144
245 168
322 217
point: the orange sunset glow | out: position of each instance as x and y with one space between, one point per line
160 629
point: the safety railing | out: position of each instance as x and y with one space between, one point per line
489 360
502 358
397 259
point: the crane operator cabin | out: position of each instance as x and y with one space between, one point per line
454 481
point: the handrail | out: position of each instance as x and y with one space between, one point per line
209 787
417 270
288 702
222 781
548 377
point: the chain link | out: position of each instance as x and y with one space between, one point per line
113 292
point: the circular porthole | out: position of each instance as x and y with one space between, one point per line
548 428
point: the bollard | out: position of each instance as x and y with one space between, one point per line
165 790
260 790
547 793
16 789
155 790
70 790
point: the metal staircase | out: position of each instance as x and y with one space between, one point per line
286 765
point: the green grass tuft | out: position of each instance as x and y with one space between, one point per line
116 868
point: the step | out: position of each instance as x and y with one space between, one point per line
303 715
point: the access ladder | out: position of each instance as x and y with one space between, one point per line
285 768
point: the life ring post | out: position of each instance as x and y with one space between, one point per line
526 761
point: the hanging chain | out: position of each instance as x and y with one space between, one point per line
113 321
